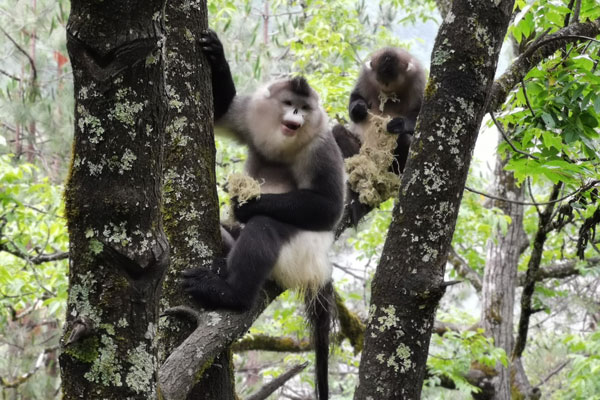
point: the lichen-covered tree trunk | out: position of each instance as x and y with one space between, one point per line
409 282
191 210
500 276
118 251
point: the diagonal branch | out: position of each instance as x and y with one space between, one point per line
278 382
464 270
29 58
544 227
536 53
215 331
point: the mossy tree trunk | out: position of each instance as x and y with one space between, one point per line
191 210
118 250
409 280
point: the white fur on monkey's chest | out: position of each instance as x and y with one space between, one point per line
303 261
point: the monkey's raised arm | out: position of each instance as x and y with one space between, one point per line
222 81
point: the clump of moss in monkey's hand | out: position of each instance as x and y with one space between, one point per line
369 172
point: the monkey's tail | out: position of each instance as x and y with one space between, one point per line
320 306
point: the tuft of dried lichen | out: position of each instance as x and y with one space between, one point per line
368 171
243 187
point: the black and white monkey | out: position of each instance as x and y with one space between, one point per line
289 229
391 83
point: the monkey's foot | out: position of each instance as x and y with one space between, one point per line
210 290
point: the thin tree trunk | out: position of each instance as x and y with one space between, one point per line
500 276
191 211
118 250
408 283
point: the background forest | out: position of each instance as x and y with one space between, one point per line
526 226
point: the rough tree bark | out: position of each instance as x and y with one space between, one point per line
191 210
408 282
118 250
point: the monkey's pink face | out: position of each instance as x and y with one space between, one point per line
293 118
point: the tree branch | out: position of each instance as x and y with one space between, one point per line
464 270
536 53
36 260
270 343
507 140
276 383
29 58
23 378
215 331
351 325
559 270
541 235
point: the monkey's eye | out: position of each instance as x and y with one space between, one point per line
306 107
287 102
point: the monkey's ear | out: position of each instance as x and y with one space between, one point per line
410 67
368 65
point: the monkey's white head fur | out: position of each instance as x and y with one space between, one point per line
284 116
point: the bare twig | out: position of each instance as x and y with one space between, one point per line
577 11
507 140
526 203
278 382
537 206
554 372
16 78
23 378
26 53
36 260
527 98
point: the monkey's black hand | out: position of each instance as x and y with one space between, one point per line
358 110
243 212
396 126
211 46
222 81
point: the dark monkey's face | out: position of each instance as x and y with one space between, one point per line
288 117
390 68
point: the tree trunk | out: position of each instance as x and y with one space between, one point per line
408 283
191 211
118 250
500 276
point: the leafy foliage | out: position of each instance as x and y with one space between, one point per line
32 295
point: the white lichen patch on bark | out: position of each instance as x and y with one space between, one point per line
106 369
125 110
127 160
197 247
79 299
90 125
175 132
116 234
140 374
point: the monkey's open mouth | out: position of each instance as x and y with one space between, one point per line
289 128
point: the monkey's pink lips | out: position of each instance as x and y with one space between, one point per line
289 128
